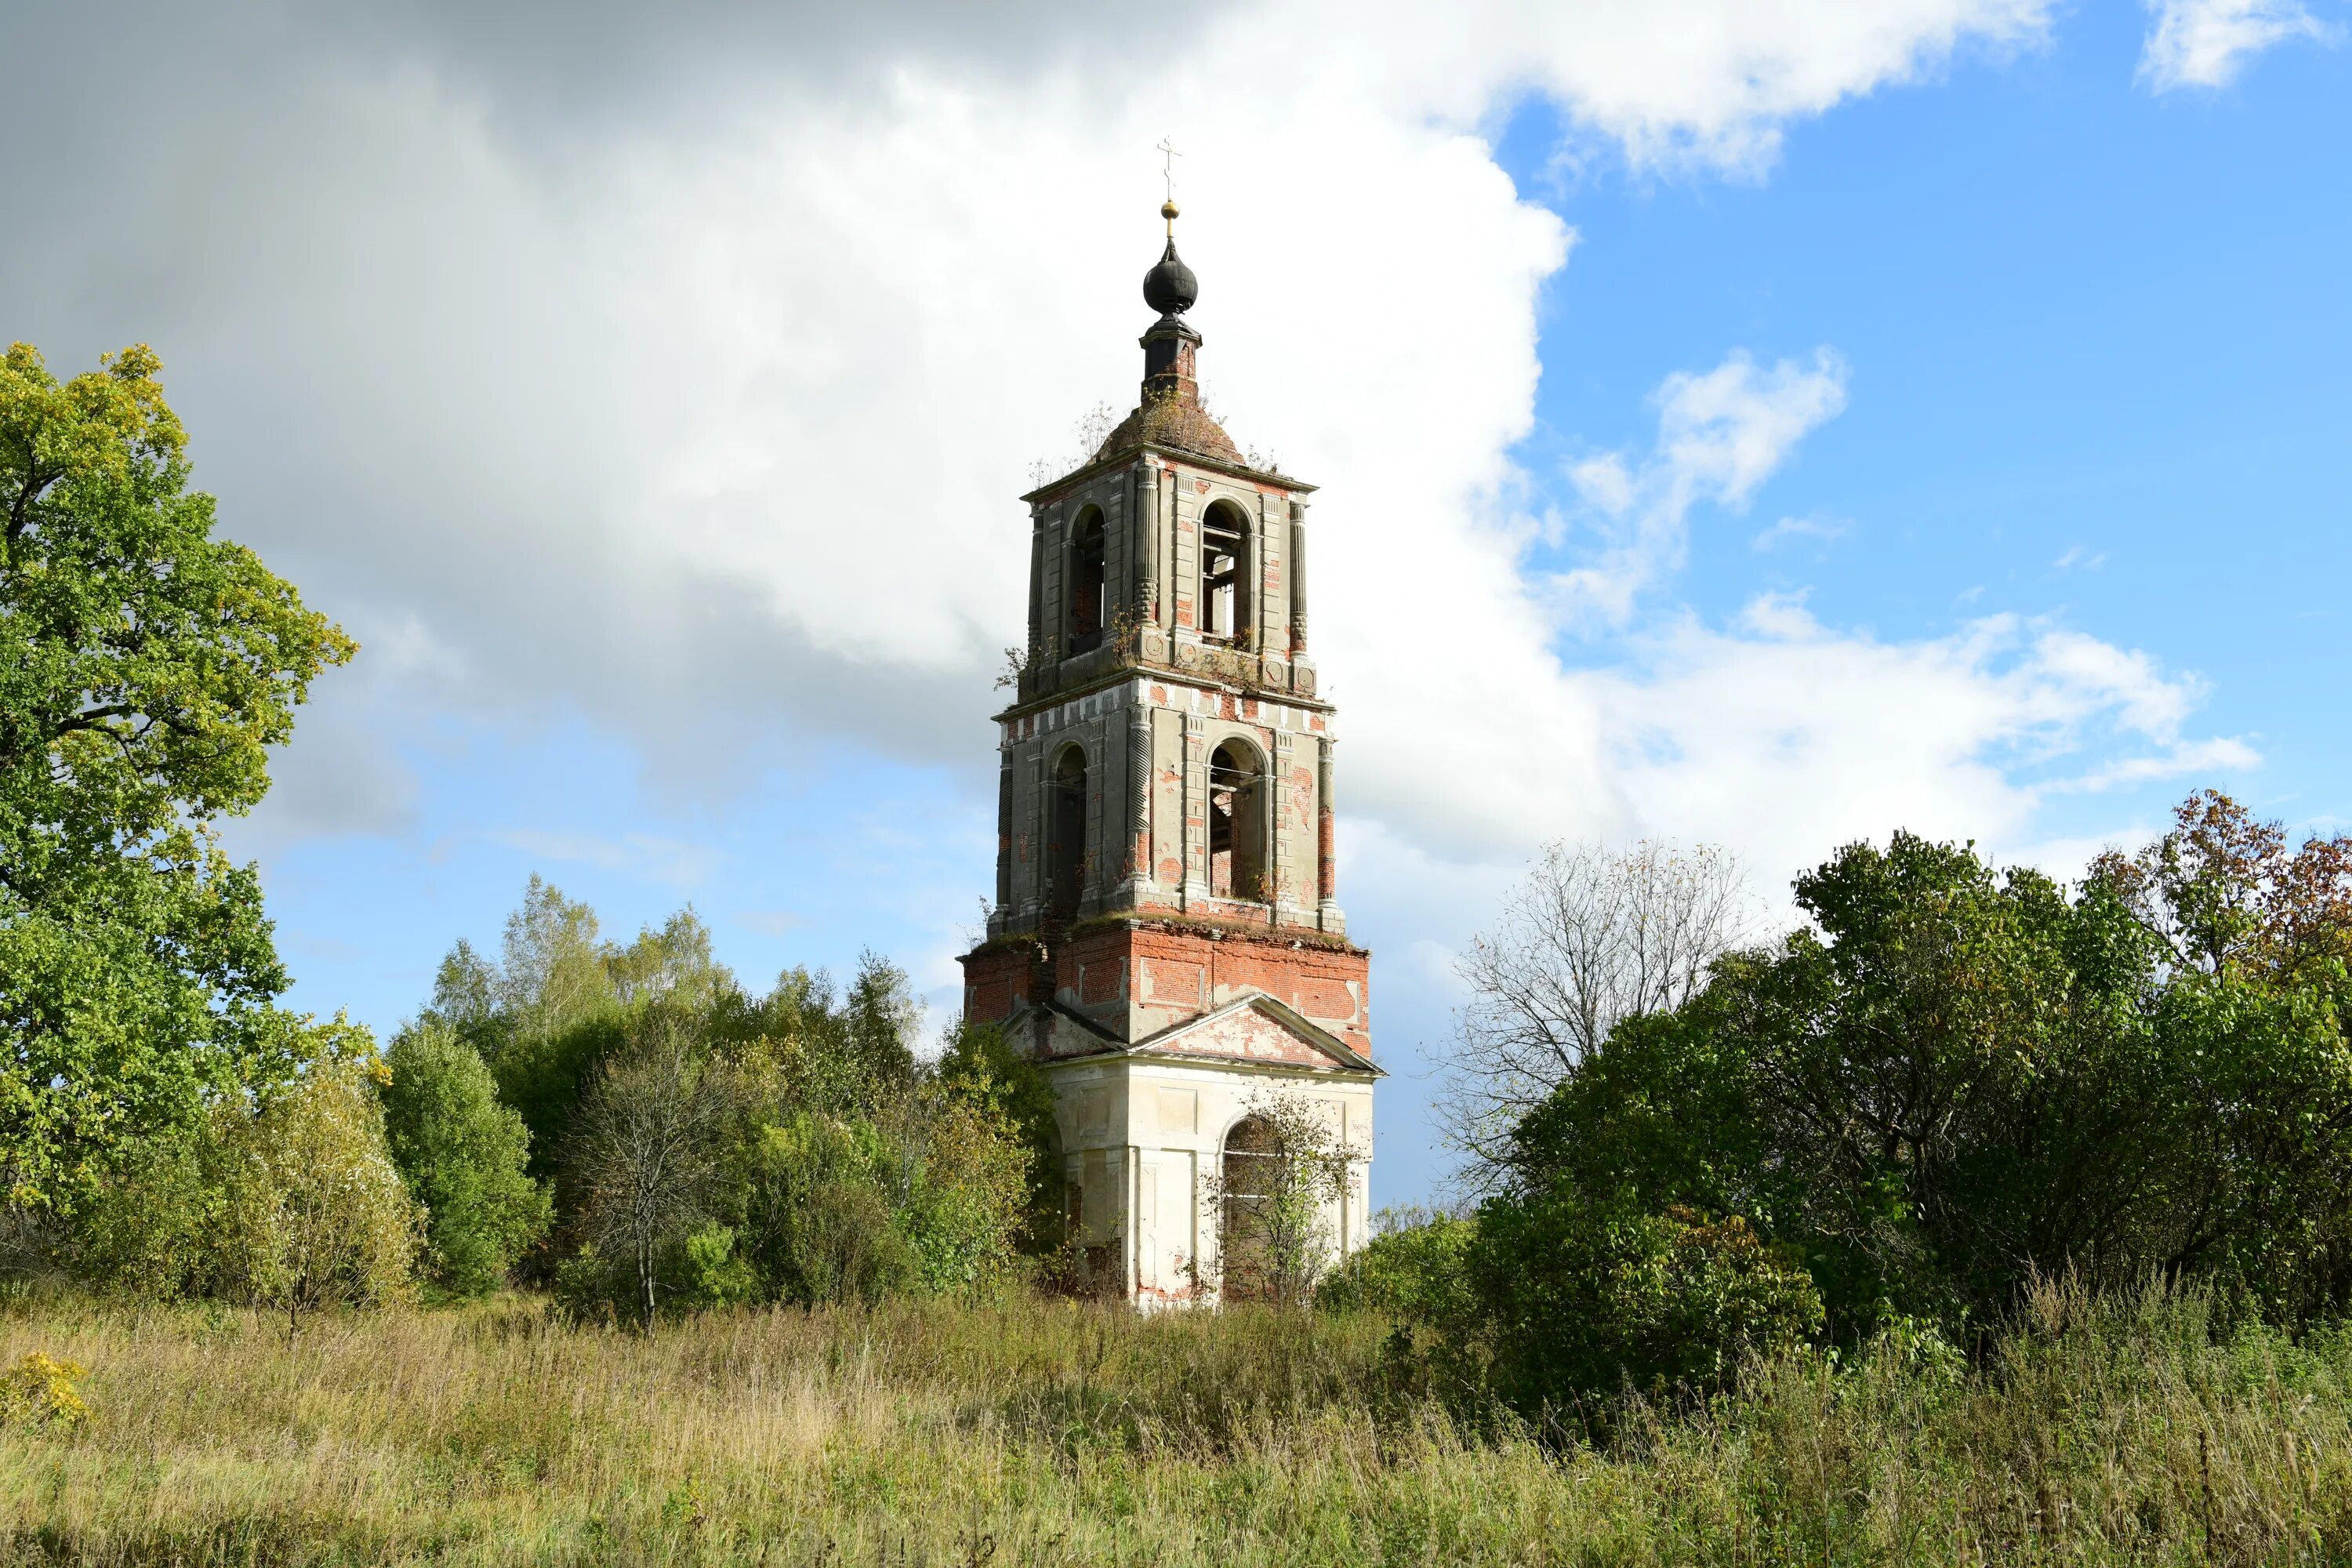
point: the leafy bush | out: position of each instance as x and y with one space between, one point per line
817 1218
40 1390
1572 1302
463 1155
964 1208
151 1228
980 1066
1413 1271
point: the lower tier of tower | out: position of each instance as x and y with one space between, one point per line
1154 1153
1165 1043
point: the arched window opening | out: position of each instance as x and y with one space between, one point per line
1066 833
1089 604
1247 1175
1224 585
1237 825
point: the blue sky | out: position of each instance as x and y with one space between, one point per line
2084 321
1731 430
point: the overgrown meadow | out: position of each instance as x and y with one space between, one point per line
1059 1432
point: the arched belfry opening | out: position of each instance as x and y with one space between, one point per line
1089 604
1225 579
1066 836
1237 867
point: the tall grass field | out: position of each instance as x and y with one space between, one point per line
1047 1432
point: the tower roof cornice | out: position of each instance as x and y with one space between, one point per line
1112 455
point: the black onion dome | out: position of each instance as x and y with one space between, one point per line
1170 287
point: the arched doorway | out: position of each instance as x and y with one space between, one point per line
1247 1173
1237 824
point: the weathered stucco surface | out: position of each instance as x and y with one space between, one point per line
1166 934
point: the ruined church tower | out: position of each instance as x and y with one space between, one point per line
1166 936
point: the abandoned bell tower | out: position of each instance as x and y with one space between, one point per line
1165 936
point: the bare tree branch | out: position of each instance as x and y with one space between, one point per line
645 1150
1592 937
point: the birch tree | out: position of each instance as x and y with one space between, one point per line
646 1150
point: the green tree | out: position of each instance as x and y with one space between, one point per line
882 1019
673 964
146 668
467 1002
979 1067
554 972
1955 1079
316 1214
464 1156
560 998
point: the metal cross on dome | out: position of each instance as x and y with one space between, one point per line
1168 165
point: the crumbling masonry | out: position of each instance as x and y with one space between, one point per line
1165 935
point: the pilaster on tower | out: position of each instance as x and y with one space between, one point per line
1166 903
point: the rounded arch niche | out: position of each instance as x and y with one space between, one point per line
1065 833
1089 585
1245 1173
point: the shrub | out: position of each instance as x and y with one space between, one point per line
963 1209
1284 1168
1412 1272
38 1391
817 1221
979 1066
152 1229
464 1156
1572 1302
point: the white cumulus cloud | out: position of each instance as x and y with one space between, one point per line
2207 43
685 377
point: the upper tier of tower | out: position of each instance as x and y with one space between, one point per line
1168 549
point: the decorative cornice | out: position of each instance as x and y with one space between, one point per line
1127 455
1161 675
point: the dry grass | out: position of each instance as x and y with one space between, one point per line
1047 1433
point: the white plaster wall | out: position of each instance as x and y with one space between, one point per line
1146 1132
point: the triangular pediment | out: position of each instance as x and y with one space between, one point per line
1259 1028
1255 1028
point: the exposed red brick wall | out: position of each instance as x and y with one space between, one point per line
1168 966
1110 970
1102 980
997 983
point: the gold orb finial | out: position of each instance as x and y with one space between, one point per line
1168 211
